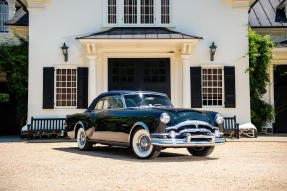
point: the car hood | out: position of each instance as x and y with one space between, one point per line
179 115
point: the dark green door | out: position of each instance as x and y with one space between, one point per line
149 74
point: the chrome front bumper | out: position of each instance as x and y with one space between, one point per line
189 141
189 137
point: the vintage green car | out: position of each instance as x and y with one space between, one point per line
146 122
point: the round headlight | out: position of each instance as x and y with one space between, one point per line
165 118
219 119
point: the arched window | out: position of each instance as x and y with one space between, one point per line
4 11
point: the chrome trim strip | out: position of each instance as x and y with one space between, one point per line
220 140
159 134
193 144
190 122
200 130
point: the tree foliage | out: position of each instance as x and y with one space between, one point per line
14 61
260 56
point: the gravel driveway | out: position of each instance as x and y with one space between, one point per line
259 164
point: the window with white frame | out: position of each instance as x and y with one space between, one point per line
137 12
130 11
66 87
4 12
165 12
212 87
112 11
147 11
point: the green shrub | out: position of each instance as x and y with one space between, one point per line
14 61
4 98
260 56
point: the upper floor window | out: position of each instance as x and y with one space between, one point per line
137 12
147 11
112 11
4 12
130 11
165 12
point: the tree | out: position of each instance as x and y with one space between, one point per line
14 61
260 56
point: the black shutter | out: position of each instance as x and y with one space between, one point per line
48 88
195 82
82 94
229 86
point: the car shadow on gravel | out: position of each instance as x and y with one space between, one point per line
120 153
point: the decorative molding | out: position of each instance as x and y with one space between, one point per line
91 49
186 49
186 56
36 4
240 5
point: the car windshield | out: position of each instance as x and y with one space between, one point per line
147 100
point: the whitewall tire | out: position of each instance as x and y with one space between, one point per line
82 140
141 145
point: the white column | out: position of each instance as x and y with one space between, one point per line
186 97
92 78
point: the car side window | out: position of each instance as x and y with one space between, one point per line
100 104
112 102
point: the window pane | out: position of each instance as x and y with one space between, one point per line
112 11
65 95
130 11
4 11
165 12
147 11
212 89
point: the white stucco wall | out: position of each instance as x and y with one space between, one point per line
62 21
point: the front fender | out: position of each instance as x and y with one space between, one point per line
158 127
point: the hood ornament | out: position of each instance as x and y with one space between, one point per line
196 125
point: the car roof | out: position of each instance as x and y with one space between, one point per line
121 92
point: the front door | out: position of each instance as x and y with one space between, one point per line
149 74
280 99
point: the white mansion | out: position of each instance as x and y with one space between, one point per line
159 45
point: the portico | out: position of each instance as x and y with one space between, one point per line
148 46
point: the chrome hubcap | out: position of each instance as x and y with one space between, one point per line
144 143
82 138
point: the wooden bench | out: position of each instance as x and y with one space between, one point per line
46 127
230 127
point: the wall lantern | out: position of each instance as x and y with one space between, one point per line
65 51
212 51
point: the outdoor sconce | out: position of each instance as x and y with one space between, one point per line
65 51
212 51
